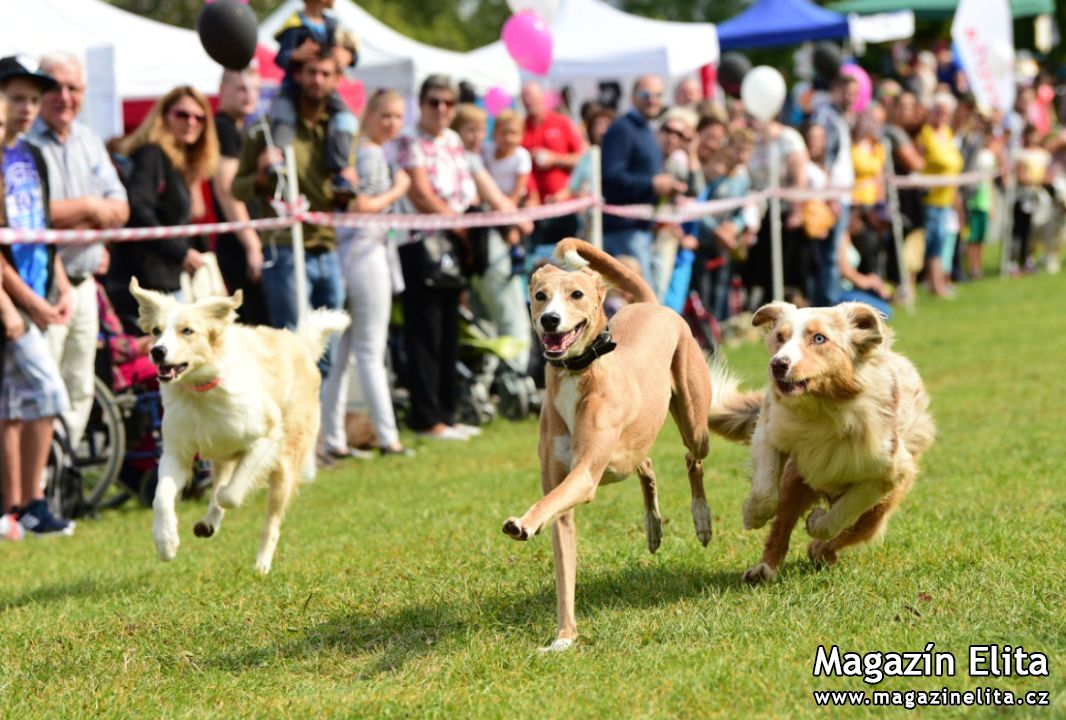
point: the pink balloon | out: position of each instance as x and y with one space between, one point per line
866 86
529 41
497 99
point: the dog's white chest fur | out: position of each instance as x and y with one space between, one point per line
565 400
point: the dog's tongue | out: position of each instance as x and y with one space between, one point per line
554 342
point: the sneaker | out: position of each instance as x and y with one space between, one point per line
10 528
468 430
401 451
38 520
349 452
448 433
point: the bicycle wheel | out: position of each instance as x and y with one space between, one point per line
102 449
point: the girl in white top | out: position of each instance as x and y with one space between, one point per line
365 260
507 161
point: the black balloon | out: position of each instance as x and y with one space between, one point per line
827 60
228 32
731 71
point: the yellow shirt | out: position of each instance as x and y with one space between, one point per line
869 162
942 157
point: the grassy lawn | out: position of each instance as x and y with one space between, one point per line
395 594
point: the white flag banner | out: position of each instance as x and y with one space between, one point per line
984 37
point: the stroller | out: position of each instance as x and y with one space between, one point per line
490 384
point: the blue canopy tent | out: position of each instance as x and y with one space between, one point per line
769 23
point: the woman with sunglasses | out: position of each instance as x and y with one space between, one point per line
173 151
442 183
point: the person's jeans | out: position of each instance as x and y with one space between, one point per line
636 243
325 286
826 271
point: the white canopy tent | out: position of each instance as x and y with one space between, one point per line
150 57
593 40
389 59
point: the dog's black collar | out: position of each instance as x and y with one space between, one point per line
602 345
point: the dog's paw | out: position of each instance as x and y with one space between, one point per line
166 544
821 554
203 529
759 574
653 528
701 518
262 564
560 645
758 509
165 534
514 528
817 525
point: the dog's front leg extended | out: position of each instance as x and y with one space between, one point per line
845 510
579 486
767 464
174 472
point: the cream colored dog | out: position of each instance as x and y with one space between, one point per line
605 404
844 418
245 398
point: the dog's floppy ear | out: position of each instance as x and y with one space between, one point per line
541 272
149 303
147 299
770 313
866 328
223 308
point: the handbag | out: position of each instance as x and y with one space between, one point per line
204 283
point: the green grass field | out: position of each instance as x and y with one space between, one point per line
395 594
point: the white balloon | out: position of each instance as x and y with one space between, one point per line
545 9
1001 57
763 92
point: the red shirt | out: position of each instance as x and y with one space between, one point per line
555 133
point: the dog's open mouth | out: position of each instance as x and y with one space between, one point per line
785 387
556 344
167 372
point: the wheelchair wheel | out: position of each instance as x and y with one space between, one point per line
62 484
102 449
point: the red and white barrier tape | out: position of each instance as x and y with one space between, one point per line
10 236
298 212
451 222
938 181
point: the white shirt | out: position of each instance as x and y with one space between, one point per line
505 171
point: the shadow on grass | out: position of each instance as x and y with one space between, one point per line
396 638
79 589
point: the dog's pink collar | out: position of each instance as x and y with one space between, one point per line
207 385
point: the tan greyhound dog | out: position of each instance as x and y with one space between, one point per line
608 393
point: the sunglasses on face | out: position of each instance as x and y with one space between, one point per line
649 95
680 134
438 102
186 116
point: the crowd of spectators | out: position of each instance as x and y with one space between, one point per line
186 163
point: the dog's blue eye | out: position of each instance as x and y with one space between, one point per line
818 338
577 295
540 297
186 331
